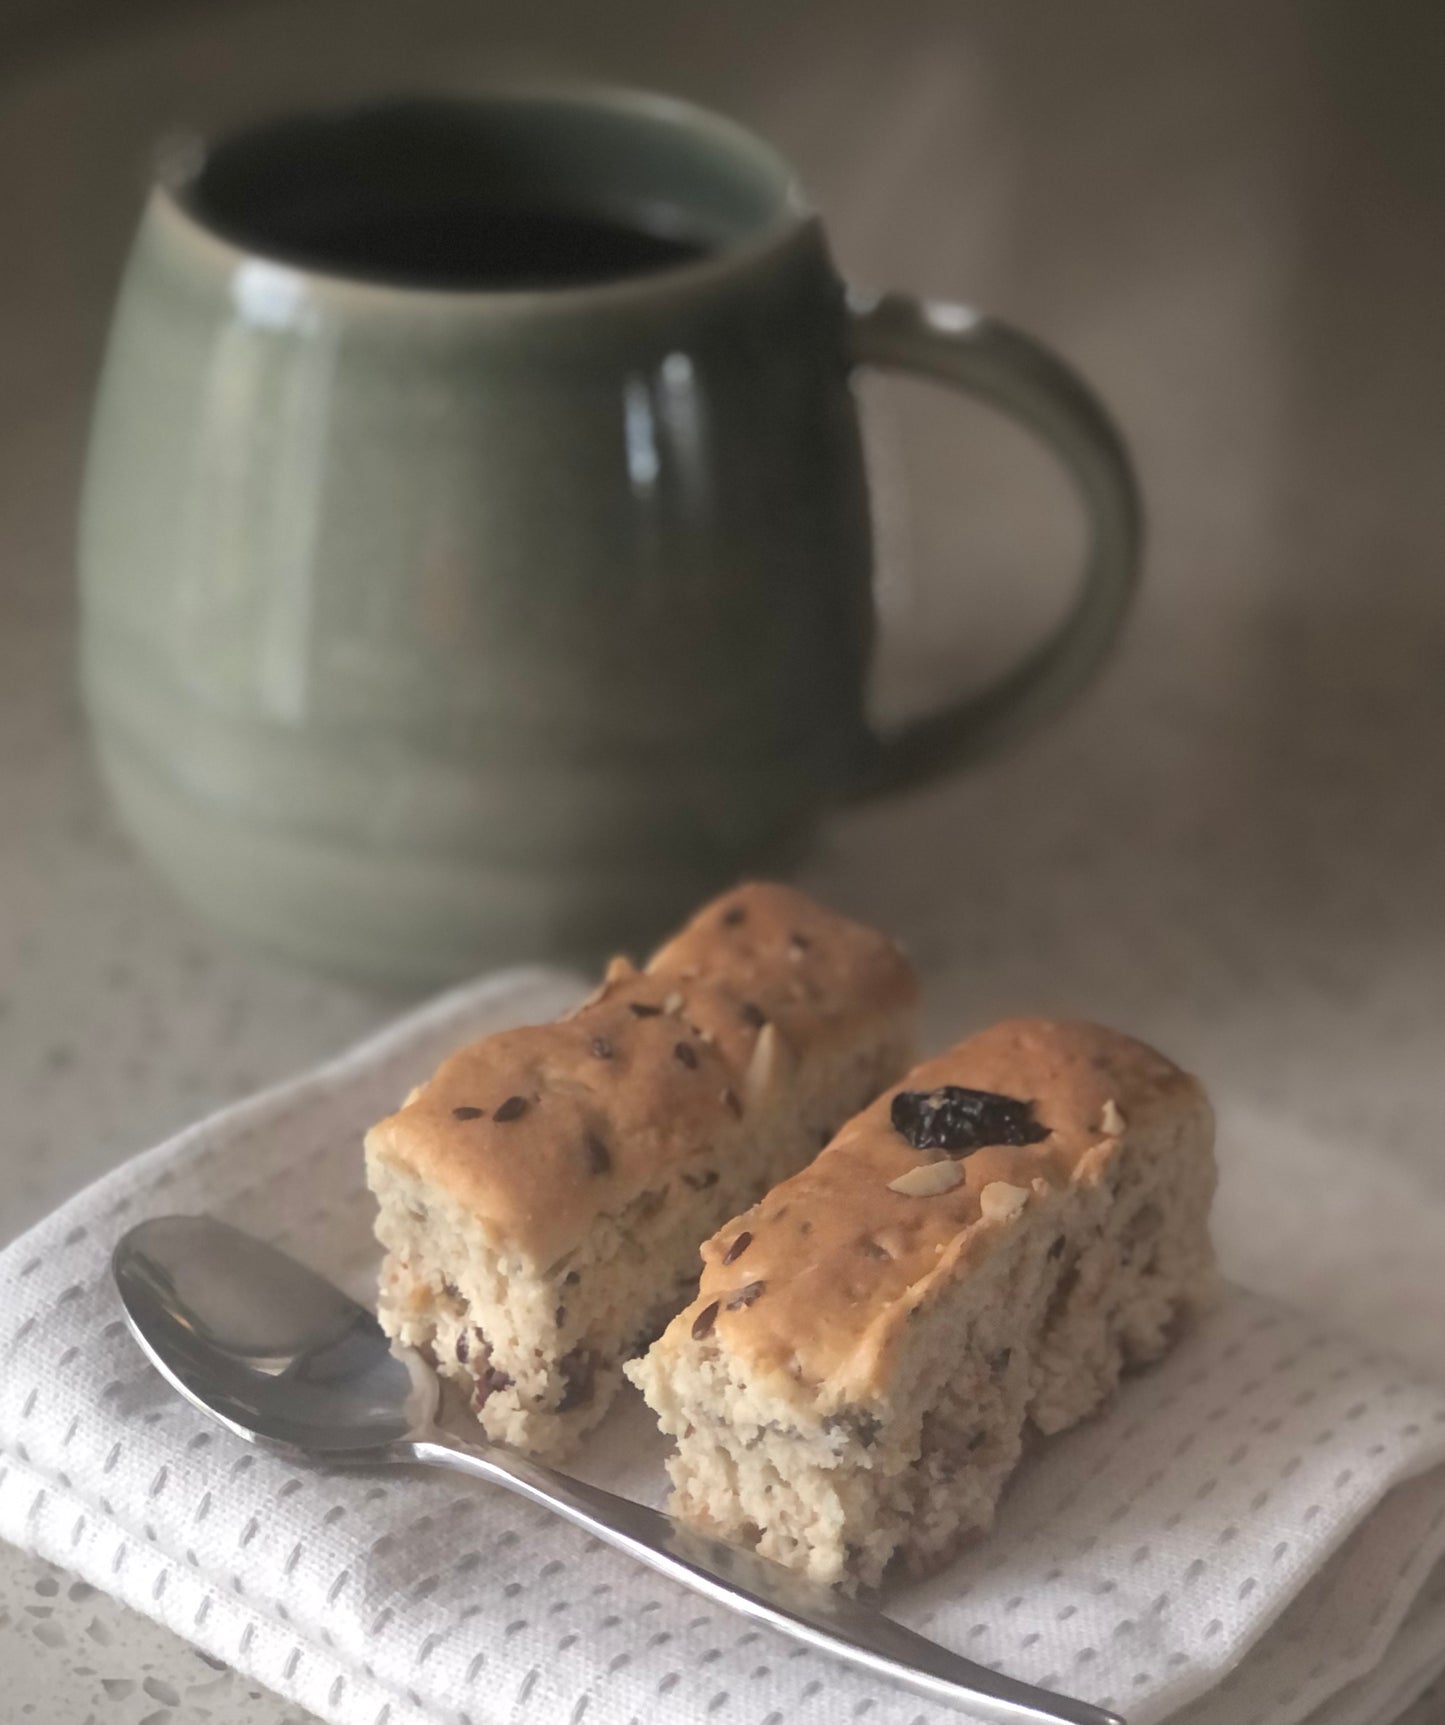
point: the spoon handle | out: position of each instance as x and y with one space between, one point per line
766 1592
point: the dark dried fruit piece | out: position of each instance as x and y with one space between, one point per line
640 1009
1063 1291
559 1317
466 1113
745 1296
702 1324
512 1109
579 1374
753 1014
734 914
738 1247
864 1427
732 1101
489 1380
687 1054
646 1204
1056 1250
599 1158
957 1120
700 1182
601 1048
464 1346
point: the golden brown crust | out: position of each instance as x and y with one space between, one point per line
842 1258
648 1071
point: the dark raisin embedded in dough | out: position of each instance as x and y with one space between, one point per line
464 1346
599 1158
579 1377
1057 1248
601 1048
572 1278
700 1182
512 1109
734 914
732 1101
871 1249
866 1428
686 1053
466 1113
1063 1289
745 1296
751 1013
957 1120
1142 1225
490 1380
640 1009
702 1324
738 1247
559 1317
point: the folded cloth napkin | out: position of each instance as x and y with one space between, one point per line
1240 1537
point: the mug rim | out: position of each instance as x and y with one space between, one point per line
181 158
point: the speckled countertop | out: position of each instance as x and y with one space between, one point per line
1237 846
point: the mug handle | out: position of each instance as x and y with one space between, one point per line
1003 366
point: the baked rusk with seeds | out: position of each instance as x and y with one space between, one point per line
543 1196
985 1247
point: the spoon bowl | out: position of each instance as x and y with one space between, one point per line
273 1351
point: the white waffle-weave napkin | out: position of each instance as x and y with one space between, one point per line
1242 1535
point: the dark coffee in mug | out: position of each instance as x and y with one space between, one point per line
405 198
467 244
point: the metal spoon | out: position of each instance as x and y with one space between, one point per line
284 1359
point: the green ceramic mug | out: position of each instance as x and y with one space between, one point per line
475 548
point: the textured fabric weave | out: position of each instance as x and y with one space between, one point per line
1249 1534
